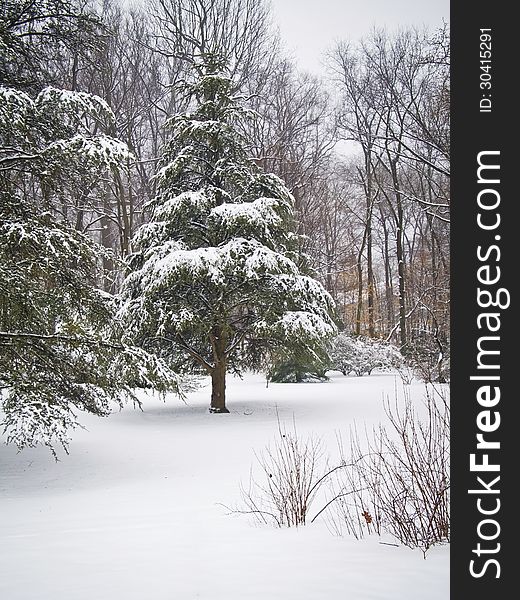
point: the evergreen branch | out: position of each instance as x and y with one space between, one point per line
193 353
58 337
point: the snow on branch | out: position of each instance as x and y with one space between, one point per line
99 149
170 261
262 212
65 103
300 325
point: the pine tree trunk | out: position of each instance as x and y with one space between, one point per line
218 389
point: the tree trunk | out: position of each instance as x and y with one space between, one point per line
359 305
389 290
401 271
370 266
218 389
370 280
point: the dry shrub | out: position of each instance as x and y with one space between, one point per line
402 474
397 482
292 470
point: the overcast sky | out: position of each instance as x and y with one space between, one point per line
310 27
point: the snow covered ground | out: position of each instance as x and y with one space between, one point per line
133 512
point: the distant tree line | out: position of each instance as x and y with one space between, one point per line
376 223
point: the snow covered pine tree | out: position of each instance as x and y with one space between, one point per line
59 350
214 279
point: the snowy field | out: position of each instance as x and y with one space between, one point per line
133 512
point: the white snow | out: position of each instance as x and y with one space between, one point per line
133 512
14 106
260 212
54 99
173 207
100 148
170 259
19 113
299 322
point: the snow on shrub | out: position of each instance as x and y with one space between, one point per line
362 355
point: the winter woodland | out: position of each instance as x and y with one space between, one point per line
180 203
